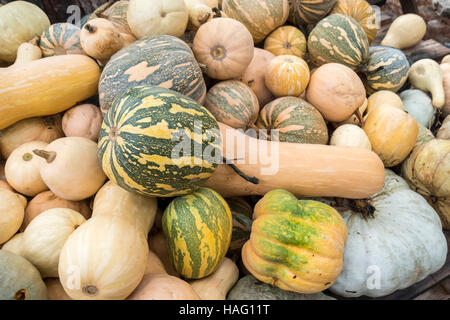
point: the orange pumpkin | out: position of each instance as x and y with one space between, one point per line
286 40
287 75
392 133
225 47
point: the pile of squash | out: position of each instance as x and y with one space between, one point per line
204 149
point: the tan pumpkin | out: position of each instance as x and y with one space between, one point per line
15 244
392 133
154 264
255 74
44 129
158 244
336 91
55 290
286 40
22 169
71 168
287 75
384 97
444 130
161 286
12 207
217 285
48 200
225 47
83 120
45 236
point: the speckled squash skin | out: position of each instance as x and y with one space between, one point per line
387 69
198 228
260 17
233 103
149 142
296 245
361 11
59 39
296 120
286 40
157 60
311 11
340 39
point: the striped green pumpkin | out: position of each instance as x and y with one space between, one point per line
387 69
198 228
296 120
157 142
157 60
61 39
233 103
260 17
242 214
340 39
311 11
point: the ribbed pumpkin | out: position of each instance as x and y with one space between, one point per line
260 17
150 142
361 11
242 214
59 39
338 38
296 245
198 228
233 103
158 60
295 120
387 69
286 40
311 11
287 75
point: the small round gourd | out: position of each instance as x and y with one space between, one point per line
22 169
233 103
384 97
60 39
287 75
225 47
286 40
350 135
83 120
20 279
12 206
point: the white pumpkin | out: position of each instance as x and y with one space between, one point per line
397 242
419 106
12 211
22 169
45 236
15 244
350 135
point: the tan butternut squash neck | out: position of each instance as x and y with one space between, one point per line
49 156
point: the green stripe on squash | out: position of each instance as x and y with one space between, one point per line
311 11
61 39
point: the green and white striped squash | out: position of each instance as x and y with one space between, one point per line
387 69
157 142
233 103
61 39
260 17
296 120
340 39
311 11
242 213
198 229
157 60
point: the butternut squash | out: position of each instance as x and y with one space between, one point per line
46 86
302 169
27 52
406 31
426 75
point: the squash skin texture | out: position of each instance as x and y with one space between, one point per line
46 86
310 12
296 245
60 39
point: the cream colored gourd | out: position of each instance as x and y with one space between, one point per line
44 129
147 17
154 264
350 135
200 12
217 285
48 200
27 52
384 97
426 75
444 130
15 244
12 206
71 168
45 236
83 120
55 291
406 31
22 169
5 185
446 59
111 200
100 39
445 68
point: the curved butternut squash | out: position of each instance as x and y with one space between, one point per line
302 169
46 86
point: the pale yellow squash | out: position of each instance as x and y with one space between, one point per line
12 206
15 244
406 31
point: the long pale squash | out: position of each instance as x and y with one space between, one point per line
302 169
46 86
